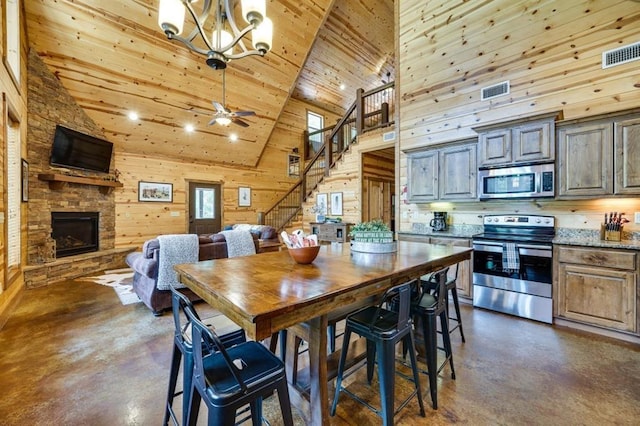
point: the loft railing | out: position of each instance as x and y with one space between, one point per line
323 148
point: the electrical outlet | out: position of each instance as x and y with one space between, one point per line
636 217
175 214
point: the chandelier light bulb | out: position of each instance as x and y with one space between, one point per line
225 39
263 36
171 16
254 11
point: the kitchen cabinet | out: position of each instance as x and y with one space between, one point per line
585 160
447 173
517 141
463 283
597 287
599 158
331 232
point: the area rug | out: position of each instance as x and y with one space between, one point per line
121 280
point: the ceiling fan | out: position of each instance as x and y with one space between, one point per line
223 115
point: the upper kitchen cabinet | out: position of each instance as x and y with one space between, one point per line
627 156
585 160
599 158
446 173
519 141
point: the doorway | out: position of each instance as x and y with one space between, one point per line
378 186
205 208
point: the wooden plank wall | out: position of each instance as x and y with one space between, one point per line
346 178
550 52
138 221
13 102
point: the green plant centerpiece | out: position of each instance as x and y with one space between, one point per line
372 237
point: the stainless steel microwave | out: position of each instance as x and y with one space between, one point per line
521 181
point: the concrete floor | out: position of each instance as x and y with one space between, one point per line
71 354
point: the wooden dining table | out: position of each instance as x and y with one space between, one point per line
270 292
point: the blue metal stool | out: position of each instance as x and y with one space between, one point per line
227 379
231 334
383 329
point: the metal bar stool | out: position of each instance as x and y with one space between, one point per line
227 379
453 290
230 334
383 329
426 310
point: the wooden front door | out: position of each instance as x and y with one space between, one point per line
205 208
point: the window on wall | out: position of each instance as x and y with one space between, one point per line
315 123
13 193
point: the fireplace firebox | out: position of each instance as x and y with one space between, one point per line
75 232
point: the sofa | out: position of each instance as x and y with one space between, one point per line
264 232
146 264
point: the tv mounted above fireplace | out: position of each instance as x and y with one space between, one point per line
80 151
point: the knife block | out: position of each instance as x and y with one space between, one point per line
610 235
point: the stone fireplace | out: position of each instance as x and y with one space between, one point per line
75 232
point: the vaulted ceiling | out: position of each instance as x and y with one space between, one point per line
113 58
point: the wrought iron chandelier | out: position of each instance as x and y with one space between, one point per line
219 47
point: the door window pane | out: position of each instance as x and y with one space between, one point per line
205 203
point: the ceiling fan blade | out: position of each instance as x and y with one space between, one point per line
213 121
218 106
244 113
240 122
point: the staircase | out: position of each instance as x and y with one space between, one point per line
324 148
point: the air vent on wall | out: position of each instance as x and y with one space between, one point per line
622 55
388 136
495 90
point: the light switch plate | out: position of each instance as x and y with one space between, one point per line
636 217
175 214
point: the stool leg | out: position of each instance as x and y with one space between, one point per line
408 340
256 411
187 379
343 358
285 403
431 354
371 359
173 379
456 305
194 406
446 340
386 377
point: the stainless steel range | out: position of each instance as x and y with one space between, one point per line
512 265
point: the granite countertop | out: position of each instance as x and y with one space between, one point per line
565 236
591 238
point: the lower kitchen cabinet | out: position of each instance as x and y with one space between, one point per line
597 287
463 283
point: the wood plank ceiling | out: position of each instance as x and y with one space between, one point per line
113 58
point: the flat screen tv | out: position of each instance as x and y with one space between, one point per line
80 151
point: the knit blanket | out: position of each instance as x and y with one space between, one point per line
510 258
174 250
239 243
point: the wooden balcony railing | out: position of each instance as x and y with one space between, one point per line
322 149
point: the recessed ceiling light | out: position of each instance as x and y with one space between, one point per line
233 137
189 128
342 86
133 116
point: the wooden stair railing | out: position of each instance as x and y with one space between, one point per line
371 110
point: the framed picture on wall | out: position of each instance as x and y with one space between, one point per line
155 191
321 204
244 197
25 181
336 203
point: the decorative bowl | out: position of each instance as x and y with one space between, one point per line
304 255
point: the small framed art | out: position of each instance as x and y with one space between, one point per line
244 196
155 191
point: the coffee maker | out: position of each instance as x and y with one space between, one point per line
439 221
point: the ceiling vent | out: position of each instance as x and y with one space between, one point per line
495 90
389 136
622 55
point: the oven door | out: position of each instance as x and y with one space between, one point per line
534 276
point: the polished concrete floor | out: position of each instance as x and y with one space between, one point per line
71 354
